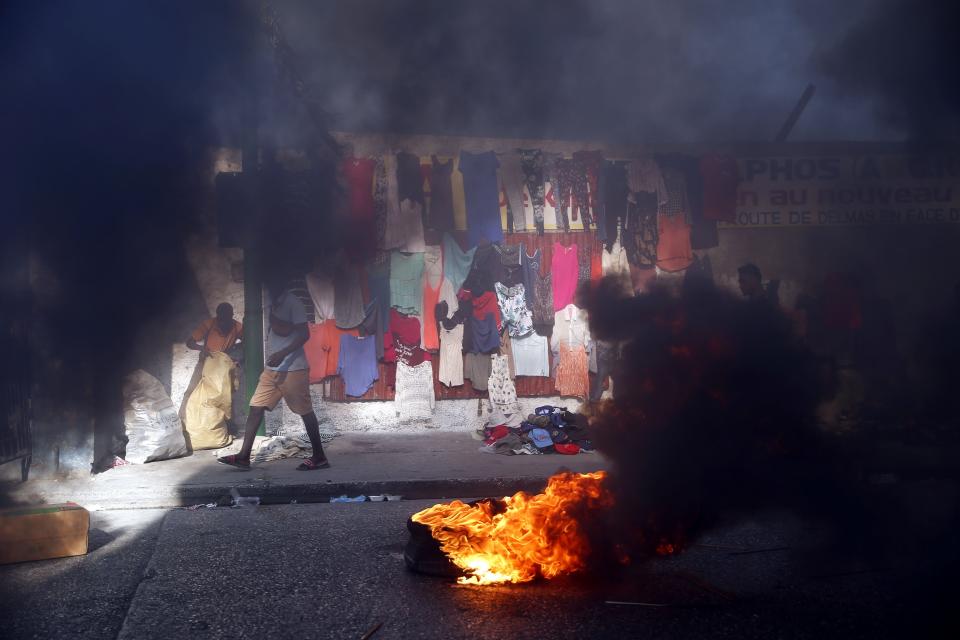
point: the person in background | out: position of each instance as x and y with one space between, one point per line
220 333
751 282
285 375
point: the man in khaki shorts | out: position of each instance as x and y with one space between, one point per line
285 375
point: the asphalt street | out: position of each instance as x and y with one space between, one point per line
336 571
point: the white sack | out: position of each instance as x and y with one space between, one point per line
154 430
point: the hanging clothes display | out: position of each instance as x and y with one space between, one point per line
476 369
456 262
404 230
570 344
720 182
440 215
644 176
590 165
512 176
485 304
513 309
486 334
486 270
410 179
406 282
531 355
530 269
323 349
482 196
564 271
501 389
543 311
450 371
380 188
641 234
402 342
506 350
321 291
615 194
448 297
348 298
414 399
358 174
511 260
378 284
584 258
573 378
432 279
673 247
357 364
570 183
531 163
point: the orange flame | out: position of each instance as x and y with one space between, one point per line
533 535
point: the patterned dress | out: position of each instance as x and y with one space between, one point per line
513 309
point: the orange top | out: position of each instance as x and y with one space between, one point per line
431 339
215 340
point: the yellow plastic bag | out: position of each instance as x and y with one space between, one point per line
205 423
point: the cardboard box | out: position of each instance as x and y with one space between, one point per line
47 531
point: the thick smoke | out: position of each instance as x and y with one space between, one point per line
110 114
901 57
618 71
713 416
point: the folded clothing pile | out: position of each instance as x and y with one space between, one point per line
548 430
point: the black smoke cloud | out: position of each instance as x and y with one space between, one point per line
713 417
687 71
901 57
110 112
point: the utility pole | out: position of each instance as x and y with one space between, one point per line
791 120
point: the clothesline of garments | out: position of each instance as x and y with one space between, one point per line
636 201
490 314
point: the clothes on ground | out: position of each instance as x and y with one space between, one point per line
531 355
450 370
406 282
214 340
552 430
501 389
414 398
357 364
513 309
286 313
564 272
482 196
322 294
476 369
293 386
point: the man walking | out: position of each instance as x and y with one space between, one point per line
285 375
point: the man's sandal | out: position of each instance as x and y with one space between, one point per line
310 465
234 461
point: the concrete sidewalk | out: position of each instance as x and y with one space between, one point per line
433 465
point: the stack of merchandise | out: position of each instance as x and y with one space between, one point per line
548 430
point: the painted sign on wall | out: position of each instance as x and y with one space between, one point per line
875 189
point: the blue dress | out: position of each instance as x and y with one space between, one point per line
482 196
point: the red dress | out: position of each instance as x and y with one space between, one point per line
358 173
